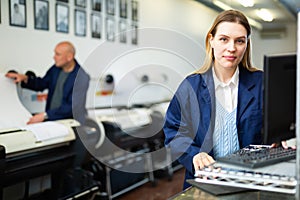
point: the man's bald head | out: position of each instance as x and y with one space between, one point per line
67 46
64 55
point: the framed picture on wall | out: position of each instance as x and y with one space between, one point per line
41 14
110 7
62 18
96 5
123 31
17 13
80 3
123 8
110 29
134 10
80 23
96 25
65 1
134 34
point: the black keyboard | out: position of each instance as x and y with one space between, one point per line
255 156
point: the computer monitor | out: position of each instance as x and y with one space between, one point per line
279 97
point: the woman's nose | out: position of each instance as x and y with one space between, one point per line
231 46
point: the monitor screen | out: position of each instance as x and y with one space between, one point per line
279 97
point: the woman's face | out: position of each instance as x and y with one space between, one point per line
229 45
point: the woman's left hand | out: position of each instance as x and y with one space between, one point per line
202 160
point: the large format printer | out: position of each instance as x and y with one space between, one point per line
120 144
23 157
28 152
128 144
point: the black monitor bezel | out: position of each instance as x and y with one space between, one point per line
279 121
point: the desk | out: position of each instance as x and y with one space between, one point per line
193 193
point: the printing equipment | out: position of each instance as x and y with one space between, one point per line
23 157
163 164
122 143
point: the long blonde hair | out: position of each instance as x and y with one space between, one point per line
228 16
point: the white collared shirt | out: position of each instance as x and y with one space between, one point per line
226 93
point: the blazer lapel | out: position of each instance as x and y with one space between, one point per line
209 99
209 93
244 94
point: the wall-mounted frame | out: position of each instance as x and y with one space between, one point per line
96 25
41 14
62 18
134 10
17 13
123 31
65 1
80 3
96 5
110 29
134 34
80 22
123 8
110 7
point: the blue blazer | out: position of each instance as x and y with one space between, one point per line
190 118
74 92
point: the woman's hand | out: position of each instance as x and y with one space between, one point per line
202 160
291 143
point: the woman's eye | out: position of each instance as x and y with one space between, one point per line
240 41
223 39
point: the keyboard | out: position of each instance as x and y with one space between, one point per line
254 179
254 156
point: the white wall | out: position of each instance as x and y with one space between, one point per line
194 19
286 44
177 27
27 48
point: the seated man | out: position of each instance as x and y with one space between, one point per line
67 85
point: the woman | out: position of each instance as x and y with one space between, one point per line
218 109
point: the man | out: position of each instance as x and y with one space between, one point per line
67 85
17 17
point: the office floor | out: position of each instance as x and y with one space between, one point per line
163 190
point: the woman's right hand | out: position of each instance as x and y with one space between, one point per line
202 160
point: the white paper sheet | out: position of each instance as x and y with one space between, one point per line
13 113
47 130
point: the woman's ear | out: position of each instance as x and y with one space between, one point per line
211 42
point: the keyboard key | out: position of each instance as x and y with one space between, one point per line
259 156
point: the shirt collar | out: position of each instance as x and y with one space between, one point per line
234 79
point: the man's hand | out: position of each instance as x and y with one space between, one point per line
202 160
17 77
40 117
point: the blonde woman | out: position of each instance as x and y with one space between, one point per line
218 109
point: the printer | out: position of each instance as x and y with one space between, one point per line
21 141
18 138
28 152
121 146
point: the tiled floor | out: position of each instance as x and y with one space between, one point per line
163 190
